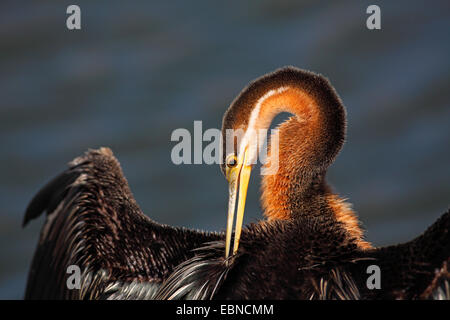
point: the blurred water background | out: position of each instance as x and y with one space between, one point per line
138 70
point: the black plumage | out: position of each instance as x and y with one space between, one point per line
94 222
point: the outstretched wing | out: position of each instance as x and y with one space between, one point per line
413 270
95 226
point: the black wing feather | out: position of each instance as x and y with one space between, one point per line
408 269
94 222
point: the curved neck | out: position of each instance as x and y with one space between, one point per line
307 143
312 138
298 186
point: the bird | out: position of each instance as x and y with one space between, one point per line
309 244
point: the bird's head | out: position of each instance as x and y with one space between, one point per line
307 143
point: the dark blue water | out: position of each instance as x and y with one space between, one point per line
138 70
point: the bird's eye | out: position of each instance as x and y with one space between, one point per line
231 161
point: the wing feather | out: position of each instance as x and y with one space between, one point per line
93 222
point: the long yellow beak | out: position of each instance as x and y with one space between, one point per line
240 175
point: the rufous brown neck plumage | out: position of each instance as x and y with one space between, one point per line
308 143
